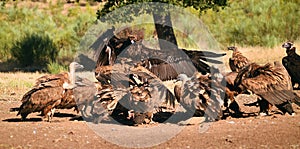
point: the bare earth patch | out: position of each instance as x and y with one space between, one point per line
275 131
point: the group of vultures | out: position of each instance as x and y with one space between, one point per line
131 84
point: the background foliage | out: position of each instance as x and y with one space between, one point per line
255 23
242 22
63 26
34 49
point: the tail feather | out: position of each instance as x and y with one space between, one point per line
296 100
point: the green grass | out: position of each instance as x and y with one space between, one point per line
14 85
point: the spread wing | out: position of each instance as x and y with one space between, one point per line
167 63
180 60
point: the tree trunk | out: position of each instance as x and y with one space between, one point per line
164 29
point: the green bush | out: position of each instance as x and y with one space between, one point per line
55 68
34 49
255 23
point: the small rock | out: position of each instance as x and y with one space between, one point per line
230 122
228 140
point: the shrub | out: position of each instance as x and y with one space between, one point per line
34 50
55 68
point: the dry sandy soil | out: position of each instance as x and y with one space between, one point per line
275 131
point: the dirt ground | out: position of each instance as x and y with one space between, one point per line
275 131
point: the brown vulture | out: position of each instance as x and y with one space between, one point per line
201 94
48 93
291 62
271 83
230 93
135 96
157 61
237 61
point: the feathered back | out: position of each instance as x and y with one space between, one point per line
270 82
201 94
53 80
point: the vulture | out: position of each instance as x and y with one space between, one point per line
135 96
230 93
60 91
201 94
271 83
157 61
237 61
291 62
108 55
48 92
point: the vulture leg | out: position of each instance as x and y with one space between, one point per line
231 104
149 115
24 115
263 107
50 115
83 111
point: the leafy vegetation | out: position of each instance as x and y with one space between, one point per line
34 49
64 26
243 22
255 23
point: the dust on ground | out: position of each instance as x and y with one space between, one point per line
274 131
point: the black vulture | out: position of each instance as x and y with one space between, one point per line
291 62
155 60
271 83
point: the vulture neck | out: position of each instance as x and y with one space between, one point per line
183 79
71 78
290 51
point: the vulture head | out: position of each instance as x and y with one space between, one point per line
182 77
132 38
75 65
233 48
287 45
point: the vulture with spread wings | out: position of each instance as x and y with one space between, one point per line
136 96
292 63
271 83
162 63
